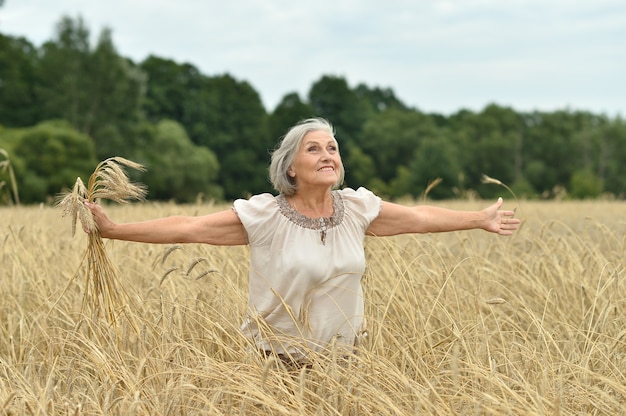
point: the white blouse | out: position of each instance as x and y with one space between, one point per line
305 274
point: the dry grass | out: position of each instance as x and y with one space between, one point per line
460 323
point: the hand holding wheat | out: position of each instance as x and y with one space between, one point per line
103 290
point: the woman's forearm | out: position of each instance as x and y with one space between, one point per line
159 231
220 228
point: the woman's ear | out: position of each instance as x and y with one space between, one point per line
291 173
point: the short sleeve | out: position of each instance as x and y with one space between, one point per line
363 204
258 215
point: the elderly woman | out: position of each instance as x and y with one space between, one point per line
306 243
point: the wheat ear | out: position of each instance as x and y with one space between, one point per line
104 292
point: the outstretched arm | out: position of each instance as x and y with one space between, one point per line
220 228
398 219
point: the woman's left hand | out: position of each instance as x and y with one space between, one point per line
500 221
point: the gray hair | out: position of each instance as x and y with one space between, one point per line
285 154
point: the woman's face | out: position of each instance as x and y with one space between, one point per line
317 162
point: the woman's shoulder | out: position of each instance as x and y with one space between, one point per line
263 198
259 215
256 204
360 193
362 200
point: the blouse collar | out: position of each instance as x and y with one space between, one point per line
313 223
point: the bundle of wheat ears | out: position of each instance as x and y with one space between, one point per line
103 294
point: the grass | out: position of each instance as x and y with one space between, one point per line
459 323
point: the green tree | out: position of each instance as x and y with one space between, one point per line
239 134
585 184
535 173
18 103
173 90
178 169
220 113
90 88
332 98
53 155
391 138
403 184
116 91
288 112
523 189
361 166
62 73
435 158
601 142
9 137
379 99
613 153
489 142
550 144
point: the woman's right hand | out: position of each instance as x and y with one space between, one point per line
102 222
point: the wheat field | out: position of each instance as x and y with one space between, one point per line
459 323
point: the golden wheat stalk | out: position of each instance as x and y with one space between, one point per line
487 179
5 165
431 185
104 292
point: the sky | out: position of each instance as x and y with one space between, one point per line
437 56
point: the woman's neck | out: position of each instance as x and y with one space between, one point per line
313 205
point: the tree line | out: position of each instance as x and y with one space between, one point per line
68 104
